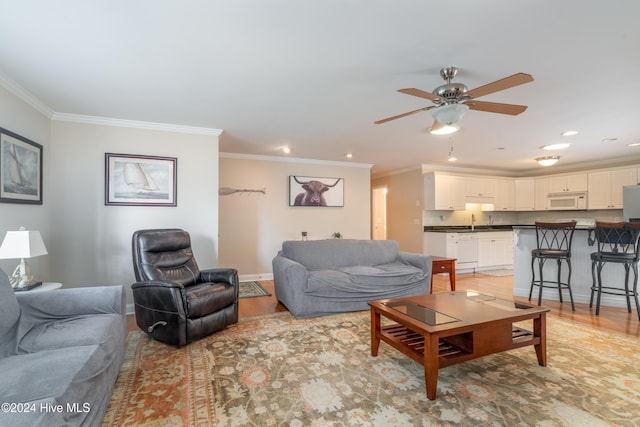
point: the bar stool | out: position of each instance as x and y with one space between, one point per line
617 243
554 242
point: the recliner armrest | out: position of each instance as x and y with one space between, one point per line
63 303
156 295
227 275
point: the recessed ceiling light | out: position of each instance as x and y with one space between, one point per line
348 155
609 139
286 150
634 144
558 146
569 133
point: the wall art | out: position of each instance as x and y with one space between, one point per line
137 180
20 169
311 191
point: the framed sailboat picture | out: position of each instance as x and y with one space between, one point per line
20 169
136 180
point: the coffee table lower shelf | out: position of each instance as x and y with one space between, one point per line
451 348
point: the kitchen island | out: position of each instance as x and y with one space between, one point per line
581 278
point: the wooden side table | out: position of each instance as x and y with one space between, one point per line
444 265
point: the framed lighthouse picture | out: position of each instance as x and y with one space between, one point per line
137 180
20 169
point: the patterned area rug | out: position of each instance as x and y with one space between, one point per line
278 371
252 290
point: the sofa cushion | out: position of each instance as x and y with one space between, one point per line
361 281
55 377
392 274
102 329
9 314
336 253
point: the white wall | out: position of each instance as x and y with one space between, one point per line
253 226
404 208
27 121
91 243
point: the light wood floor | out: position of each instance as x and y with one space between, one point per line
612 319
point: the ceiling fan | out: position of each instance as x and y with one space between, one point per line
452 100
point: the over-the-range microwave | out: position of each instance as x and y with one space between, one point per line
567 201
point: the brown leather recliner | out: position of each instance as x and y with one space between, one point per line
175 301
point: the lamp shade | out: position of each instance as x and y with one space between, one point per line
22 244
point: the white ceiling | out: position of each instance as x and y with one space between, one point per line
315 74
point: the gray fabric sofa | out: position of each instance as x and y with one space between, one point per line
318 277
60 354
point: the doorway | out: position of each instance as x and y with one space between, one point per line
379 223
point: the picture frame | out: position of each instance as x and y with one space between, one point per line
306 191
20 169
139 180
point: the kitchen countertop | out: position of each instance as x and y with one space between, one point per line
467 228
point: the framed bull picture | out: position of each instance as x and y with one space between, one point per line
313 191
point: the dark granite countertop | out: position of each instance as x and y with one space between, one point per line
533 227
467 228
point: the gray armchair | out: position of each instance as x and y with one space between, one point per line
175 301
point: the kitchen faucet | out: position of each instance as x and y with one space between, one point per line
473 222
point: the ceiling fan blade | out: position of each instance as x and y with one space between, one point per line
399 116
502 84
496 107
420 93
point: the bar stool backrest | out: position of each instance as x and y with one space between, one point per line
555 236
618 238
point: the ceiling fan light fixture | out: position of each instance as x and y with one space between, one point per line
450 114
547 160
439 129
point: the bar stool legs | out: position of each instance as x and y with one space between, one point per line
558 284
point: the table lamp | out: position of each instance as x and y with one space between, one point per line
22 244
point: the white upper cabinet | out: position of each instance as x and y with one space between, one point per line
524 194
541 193
568 183
505 198
480 187
605 187
443 192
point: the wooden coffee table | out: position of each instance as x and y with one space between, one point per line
444 329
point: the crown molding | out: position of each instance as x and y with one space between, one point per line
106 121
294 160
25 96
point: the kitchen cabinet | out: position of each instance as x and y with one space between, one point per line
444 192
541 193
480 187
605 187
505 198
495 249
524 194
568 183
463 247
